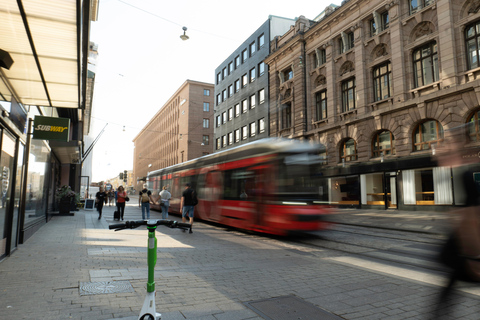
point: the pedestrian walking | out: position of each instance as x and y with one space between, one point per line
188 203
100 199
461 252
121 196
144 201
164 200
111 197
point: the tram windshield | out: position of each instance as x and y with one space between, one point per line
298 177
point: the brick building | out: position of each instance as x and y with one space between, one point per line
181 130
381 86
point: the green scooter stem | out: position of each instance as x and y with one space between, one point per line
151 258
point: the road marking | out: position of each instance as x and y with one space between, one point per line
420 276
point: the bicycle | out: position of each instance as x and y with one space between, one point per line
148 311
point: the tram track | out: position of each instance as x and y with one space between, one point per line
393 247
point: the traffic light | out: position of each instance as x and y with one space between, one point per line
121 175
125 175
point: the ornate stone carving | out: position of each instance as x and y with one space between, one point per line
347 67
320 81
474 7
422 29
380 51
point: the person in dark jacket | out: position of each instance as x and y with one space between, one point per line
100 199
187 204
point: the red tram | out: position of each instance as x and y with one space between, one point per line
265 186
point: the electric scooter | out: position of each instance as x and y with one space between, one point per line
149 311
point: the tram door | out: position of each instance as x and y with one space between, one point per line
390 184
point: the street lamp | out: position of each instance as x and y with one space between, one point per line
184 35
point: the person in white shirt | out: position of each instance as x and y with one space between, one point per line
164 197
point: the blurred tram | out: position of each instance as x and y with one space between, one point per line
265 186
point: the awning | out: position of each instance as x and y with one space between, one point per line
48 43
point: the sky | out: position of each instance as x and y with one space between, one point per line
142 61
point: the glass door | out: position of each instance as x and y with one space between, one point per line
390 190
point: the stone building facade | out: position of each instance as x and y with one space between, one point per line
381 85
181 130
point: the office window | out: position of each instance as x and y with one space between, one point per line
230 90
321 105
382 81
224 141
346 41
287 74
253 130
473 127
206 92
230 114
219 77
244 80
206 106
230 138
224 73
206 123
230 68
237 85
261 41
253 102
348 95
219 143
252 75
237 61
286 116
379 22
320 57
349 150
244 106
472 44
224 95
244 55
427 134
261 96
224 117
253 48
219 121
425 61
237 110
237 135
416 5
206 140
383 142
244 132
261 125
261 69
219 99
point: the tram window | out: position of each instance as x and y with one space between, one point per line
239 184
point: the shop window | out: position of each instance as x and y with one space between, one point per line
344 190
383 142
473 127
348 151
427 135
427 186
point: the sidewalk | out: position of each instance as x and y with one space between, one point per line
74 267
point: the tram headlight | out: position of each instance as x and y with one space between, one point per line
290 203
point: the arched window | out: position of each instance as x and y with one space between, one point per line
474 127
427 134
349 150
383 142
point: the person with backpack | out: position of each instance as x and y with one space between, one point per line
144 201
188 203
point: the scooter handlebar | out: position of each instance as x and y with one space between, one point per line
135 224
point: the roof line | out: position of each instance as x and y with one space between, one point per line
32 45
